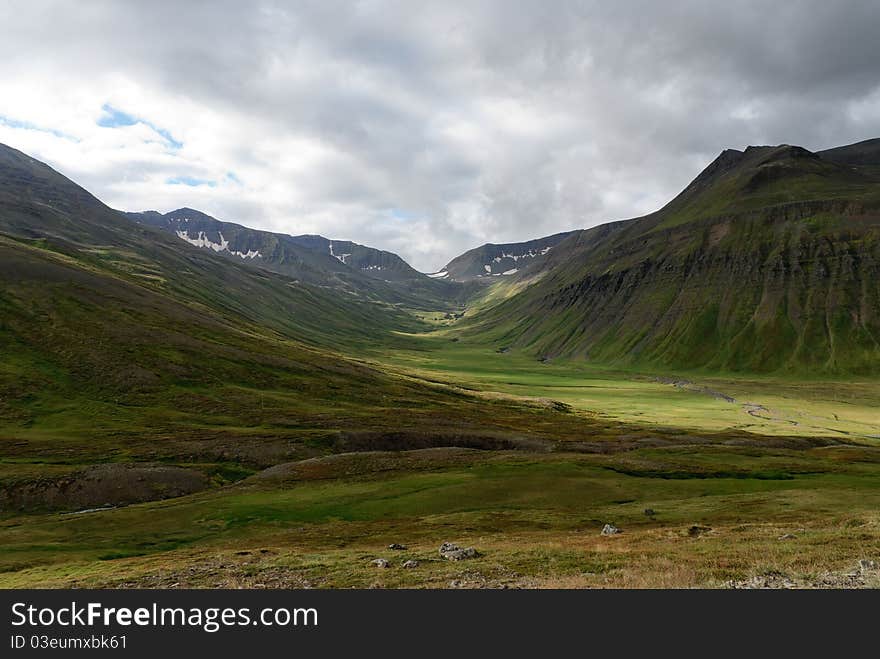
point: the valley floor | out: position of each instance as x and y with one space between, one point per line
712 482
765 405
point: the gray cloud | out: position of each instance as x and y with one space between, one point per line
428 128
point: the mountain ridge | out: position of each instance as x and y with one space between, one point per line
499 259
361 270
769 260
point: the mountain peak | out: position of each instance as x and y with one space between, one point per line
188 212
765 154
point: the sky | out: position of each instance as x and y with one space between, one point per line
425 128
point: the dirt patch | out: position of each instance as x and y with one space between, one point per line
102 486
687 385
409 440
718 232
369 462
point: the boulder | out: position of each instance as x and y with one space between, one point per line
452 552
410 564
610 529
381 562
397 547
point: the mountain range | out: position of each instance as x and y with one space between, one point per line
337 264
768 261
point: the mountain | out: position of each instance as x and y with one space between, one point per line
102 315
769 261
122 342
338 264
373 262
44 210
491 260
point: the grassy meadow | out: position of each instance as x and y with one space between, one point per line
784 481
715 516
765 405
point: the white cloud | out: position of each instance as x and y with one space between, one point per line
425 128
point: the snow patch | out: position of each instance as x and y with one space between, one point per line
439 275
512 271
250 254
487 268
527 255
202 240
340 257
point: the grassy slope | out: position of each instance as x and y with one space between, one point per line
535 519
768 262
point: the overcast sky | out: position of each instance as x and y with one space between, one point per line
425 128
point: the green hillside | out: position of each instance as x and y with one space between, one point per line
39 205
769 261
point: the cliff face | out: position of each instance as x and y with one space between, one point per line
719 280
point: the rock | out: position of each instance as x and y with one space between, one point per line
381 562
867 566
610 529
649 512
410 564
697 530
452 552
770 580
462 554
787 536
396 546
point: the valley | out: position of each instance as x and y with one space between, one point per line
178 412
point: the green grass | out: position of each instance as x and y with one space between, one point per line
796 407
502 502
